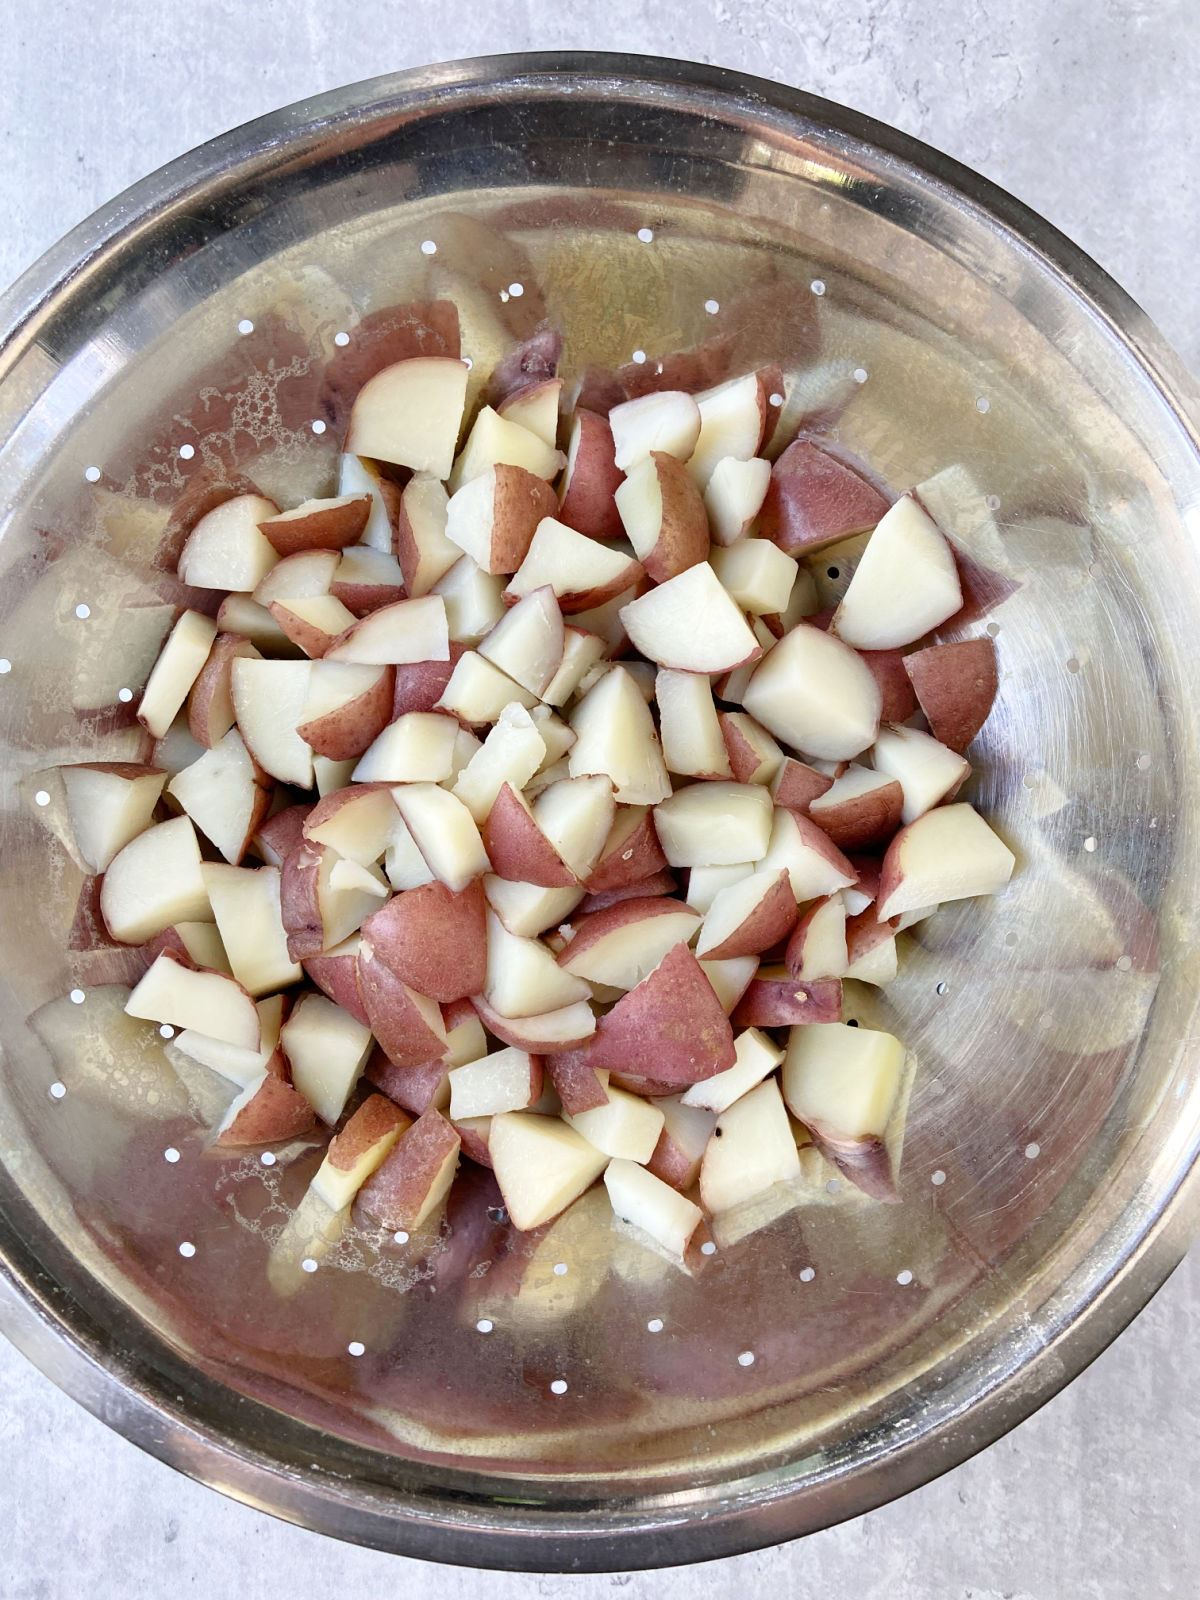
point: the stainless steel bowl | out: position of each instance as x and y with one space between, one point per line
928 321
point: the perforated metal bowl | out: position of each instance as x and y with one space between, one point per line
844 1352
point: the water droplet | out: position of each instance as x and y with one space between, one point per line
983 404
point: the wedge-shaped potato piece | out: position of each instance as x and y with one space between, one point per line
664 516
175 992
924 771
318 524
956 685
816 694
400 634
581 652
356 476
616 738
582 572
418 747
757 1057
535 406
242 616
948 854
671 1028
492 517
243 1067
757 575
527 642
270 699
361 1146
668 421
246 904
748 916
714 824
692 743
511 754
306 575
423 550
357 822
817 947
815 499
523 978
541 1165
409 1026
906 582
752 1147
178 666
682 1142
210 704
313 625
861 809
517 847
630 852
327 1050
434 939
691 623
226 794
730 979
753 755
646 1202
815 865
346 707
108 804
445 833
322 905
506 1080
733 420
497 441
567 1028
625 1126
734 497
591 479
528 909
412 1183
478 692
620 947
367 580
154 881
774 999
842 1083
269 1110
226 550
473 598
410 414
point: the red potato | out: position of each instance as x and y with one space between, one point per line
419 686
815 864
581 651
319 912
358 1149
226 794
541 1165
870 949
796 785
577 1083
239 614
279 835
465 1038
582 572
774 999
715 825
889 669
691 624
415 1178
225 549
754 757
179 665
366 580
422 550
313 625
414 1089
345 730
670 1027
533 362
657 883
616 737
153 882
667 420
318 524
815 694
861 809
688 725
567 1028
843 1084
410 414
927 772
478 692
860 896
630 853
504 1080
734 420
434 939
682 1142
380 339
523 978
493 517
108 804
622 945
496 441
535 407
527 642
734 497
408 1027
905 584
956 685
210 704
270 698
748 917
517 847
358 822
950 853
335 973
814 500
400 634
591 479
663 516
817 948
730 979
175 991
271 1111
302 576
473 1132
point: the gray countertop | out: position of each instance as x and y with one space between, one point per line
1083 108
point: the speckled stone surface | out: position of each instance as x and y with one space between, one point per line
1085 109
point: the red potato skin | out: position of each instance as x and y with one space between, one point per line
279 835
533 361
433 939
671 1026
702 367
394 333
683 538
868 869
519 850
326 528
799 785
599 391
672 1164
312 640
395 1191
414 1089
508 1031
956 685
206 490
638 1083
857 824
277 1112
771 921
337 976
889 669
590 929
344 734
520 502
373 1121
330 804
392 1015
632 576
474 1145
814 500
657 883
363 598
421 684
772 1002
586 502
638 855
96 958
864 932
211 690
744 759
865 1162
575 1081
300 907
793 955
